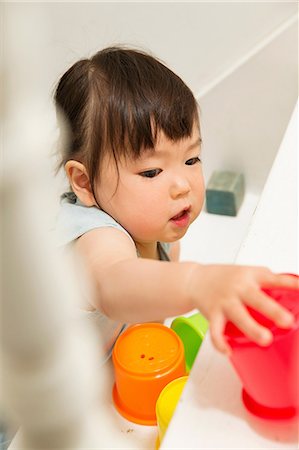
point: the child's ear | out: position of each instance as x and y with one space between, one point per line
79 181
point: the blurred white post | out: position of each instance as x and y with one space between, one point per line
49 358
50 375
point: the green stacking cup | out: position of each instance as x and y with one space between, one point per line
192 331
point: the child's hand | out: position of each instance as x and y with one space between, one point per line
224 290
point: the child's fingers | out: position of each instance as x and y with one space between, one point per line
270 308
283 280
252 329
216 328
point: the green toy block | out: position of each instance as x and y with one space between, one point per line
225 193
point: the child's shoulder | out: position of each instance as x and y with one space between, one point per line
75 219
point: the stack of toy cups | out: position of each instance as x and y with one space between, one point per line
146 357
269 374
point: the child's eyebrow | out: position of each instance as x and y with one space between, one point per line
195 144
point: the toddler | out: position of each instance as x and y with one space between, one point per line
133 161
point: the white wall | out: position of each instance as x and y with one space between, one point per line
243 115
199 40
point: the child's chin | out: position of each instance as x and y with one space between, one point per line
175 237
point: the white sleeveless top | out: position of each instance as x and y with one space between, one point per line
74 220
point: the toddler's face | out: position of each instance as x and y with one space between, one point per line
156 197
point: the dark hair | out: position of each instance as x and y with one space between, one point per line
118 100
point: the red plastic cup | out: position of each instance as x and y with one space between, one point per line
269 374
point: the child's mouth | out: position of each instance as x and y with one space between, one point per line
181 219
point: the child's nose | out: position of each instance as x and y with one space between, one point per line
180 186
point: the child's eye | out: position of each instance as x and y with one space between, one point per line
192 161
150 173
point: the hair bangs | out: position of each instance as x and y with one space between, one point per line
134 119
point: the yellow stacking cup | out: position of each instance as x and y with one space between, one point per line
166 404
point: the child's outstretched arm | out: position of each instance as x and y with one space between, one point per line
132 289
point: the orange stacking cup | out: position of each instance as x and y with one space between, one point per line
146 357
